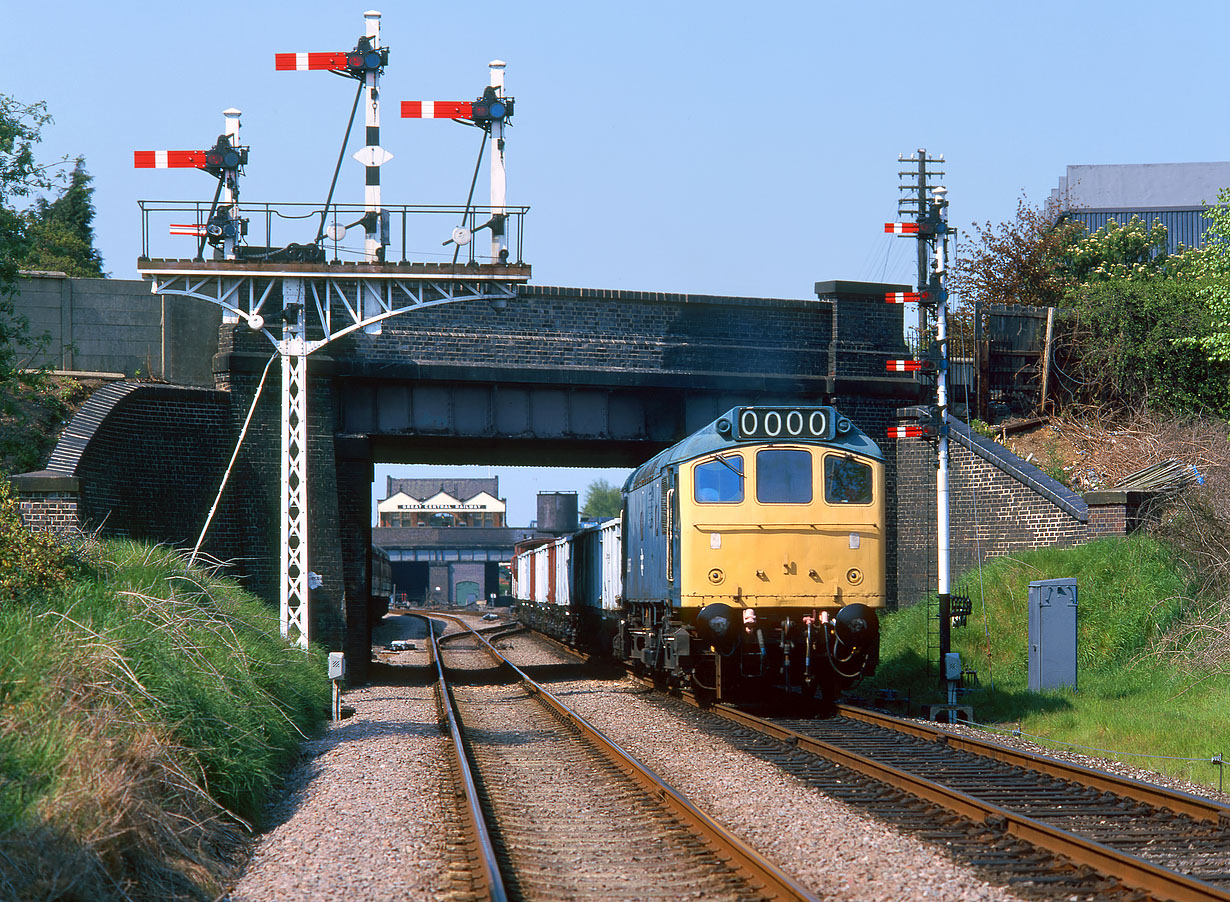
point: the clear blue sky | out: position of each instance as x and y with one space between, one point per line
716 147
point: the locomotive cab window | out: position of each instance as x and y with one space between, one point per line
846 481
783 476
719 481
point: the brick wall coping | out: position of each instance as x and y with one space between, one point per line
80 430
999 456
45 481
875 290
1025 473
661 297
1116 496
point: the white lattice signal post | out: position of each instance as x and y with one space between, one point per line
294 515
299 302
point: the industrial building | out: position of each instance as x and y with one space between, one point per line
1176 193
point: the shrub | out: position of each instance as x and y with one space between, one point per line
29 561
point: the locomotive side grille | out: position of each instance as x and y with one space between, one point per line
662 514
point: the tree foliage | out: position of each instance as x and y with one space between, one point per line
29 561
1117 252
1136 320
35 233
60 233
20 176
602 500
1021 261
1213 269
1123 341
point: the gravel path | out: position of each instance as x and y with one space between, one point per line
365 815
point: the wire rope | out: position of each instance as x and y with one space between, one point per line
234 456
341 154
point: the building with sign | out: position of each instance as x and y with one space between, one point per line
442 503
446 539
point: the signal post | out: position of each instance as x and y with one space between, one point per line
928 204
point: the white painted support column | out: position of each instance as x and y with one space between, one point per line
230 195
294 571
371 192
944 544
499 184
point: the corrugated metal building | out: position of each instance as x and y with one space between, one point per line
1176 193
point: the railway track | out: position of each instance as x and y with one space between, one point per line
558 811
1047 828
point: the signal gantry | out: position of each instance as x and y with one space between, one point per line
299 301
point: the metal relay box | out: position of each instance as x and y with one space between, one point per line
1052 634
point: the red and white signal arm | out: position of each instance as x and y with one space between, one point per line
357 62
906 432
437 109
907 297
901 228
169 159
303 62
903 366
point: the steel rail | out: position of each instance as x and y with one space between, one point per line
773 881
1132 871
1156 796
488 868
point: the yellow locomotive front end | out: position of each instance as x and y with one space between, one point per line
770 566
782 526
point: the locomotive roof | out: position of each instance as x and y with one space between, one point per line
709 439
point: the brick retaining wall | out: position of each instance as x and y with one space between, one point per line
139 460
999 504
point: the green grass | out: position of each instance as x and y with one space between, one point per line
1129 700
144 709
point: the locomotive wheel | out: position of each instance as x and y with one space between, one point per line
830 688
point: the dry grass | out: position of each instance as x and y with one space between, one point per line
1098 450
139 711
124 819
1198 526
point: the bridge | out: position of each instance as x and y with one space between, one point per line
552 376
565 376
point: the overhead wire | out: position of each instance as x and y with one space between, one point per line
234 456
341 155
